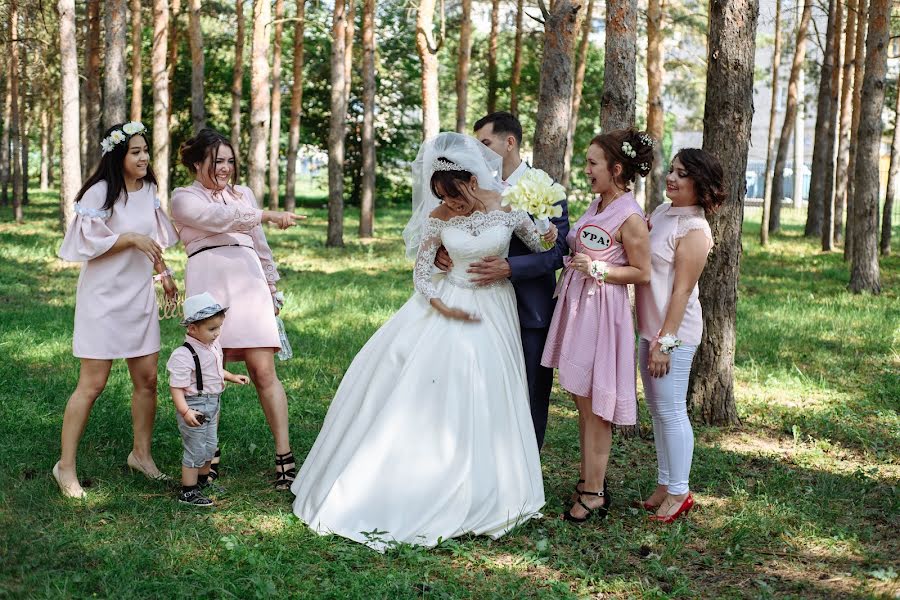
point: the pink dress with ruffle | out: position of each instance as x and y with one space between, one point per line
116 314
591 338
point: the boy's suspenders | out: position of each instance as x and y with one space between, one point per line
198 372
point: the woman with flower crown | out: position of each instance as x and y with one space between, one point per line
118 234
430 435
591 339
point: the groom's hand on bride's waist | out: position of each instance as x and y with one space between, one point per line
490 269
442 260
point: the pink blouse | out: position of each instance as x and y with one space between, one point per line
668 224
183 370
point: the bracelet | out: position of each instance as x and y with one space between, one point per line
668 343
166 273
599 270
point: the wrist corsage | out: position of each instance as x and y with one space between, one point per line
599 270
278 300
166 273
668 343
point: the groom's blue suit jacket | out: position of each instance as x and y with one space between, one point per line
533 274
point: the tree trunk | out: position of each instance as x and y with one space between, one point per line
173 55
790 113
367 194
656 182
770 144
15 122
555 100
46 125
577 88
892 184
858 75
492 57
115 18
821 187
70 157
846 122
864 274
349 34
826 227
90 148
237 82
617 103
260 99
428 49
198 67
137 85
275 130
337 127
290 199
726 134
799 141
462 66
160 76
516 79
5 164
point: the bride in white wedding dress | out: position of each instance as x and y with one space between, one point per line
429 435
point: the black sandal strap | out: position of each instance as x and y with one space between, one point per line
284 459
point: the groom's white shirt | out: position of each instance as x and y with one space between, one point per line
514 177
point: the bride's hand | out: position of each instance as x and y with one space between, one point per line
454 313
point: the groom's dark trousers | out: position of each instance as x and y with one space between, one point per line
533 277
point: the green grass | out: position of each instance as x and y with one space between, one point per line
801 501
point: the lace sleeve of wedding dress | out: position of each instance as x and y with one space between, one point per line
431 241
527 232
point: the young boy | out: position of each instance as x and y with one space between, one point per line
197 379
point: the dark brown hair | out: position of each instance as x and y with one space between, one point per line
504 123
613 145
206 144
111 170
706 172
450 181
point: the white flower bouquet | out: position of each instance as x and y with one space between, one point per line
537 194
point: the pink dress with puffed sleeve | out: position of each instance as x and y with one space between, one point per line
116 314
229 257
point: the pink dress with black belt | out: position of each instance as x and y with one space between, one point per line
229 257
591 339
116 315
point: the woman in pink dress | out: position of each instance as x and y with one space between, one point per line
220 224
591 339
119 233
670 320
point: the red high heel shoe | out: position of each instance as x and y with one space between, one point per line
684 509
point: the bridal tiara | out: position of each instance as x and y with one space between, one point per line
439 164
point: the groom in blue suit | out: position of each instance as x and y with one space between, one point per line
532 274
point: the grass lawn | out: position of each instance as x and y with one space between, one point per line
801 501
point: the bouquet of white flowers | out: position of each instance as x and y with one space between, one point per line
537 194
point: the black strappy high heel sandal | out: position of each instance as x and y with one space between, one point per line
284 477
214 465
602 511
577 492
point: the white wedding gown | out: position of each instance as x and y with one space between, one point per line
430 436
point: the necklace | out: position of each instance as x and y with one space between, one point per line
601 208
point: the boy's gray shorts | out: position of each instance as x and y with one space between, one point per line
200 442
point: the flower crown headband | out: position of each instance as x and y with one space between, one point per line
117 136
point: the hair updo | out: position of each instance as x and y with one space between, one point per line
451 182
206 143
706 172
630 148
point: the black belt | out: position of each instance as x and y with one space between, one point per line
196 252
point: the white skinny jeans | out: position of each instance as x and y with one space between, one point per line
667 401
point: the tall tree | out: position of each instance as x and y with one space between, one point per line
821 188
5 174
492 56
656 182
260 98
290 199
555 100
577 88
864 273
462 65
160 77
237 81
275 130
892 183
617 103
349 35
726 134
137 85
198 67
92 133
826 227
14 122
337 126
428 49
174 29
46 133
859 68
790 114
115 15
846 121
516 79
70 157
367 196
773 113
